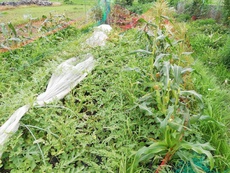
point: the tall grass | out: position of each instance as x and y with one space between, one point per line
208 42
217 106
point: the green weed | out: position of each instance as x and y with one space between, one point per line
209 46
93 124
214 84
225 54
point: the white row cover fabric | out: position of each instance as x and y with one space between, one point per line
66 77
11 125
104 28
99 36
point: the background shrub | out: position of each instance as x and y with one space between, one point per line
183 17
126 2
210 26
139 8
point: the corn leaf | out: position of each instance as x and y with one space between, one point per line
144 107
161 37
3 29
166 69
158 58
200 149
5 47
177 71
164 123
15 39
10 25
187 53
186 70
141 51
192 92
146 153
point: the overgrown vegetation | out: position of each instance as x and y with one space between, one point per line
225 53
210 45
147 106
227 11
139 8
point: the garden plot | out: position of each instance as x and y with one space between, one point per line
138 111
66 75
34 22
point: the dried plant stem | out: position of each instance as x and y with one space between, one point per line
165 160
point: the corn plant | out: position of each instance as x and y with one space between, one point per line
175 108
10 34
53 22
28 28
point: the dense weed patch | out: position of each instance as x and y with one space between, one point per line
225 53
210 44
93 127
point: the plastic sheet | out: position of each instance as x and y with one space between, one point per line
99 36
67 75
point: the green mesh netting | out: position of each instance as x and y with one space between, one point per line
105 6
187 167
199 162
